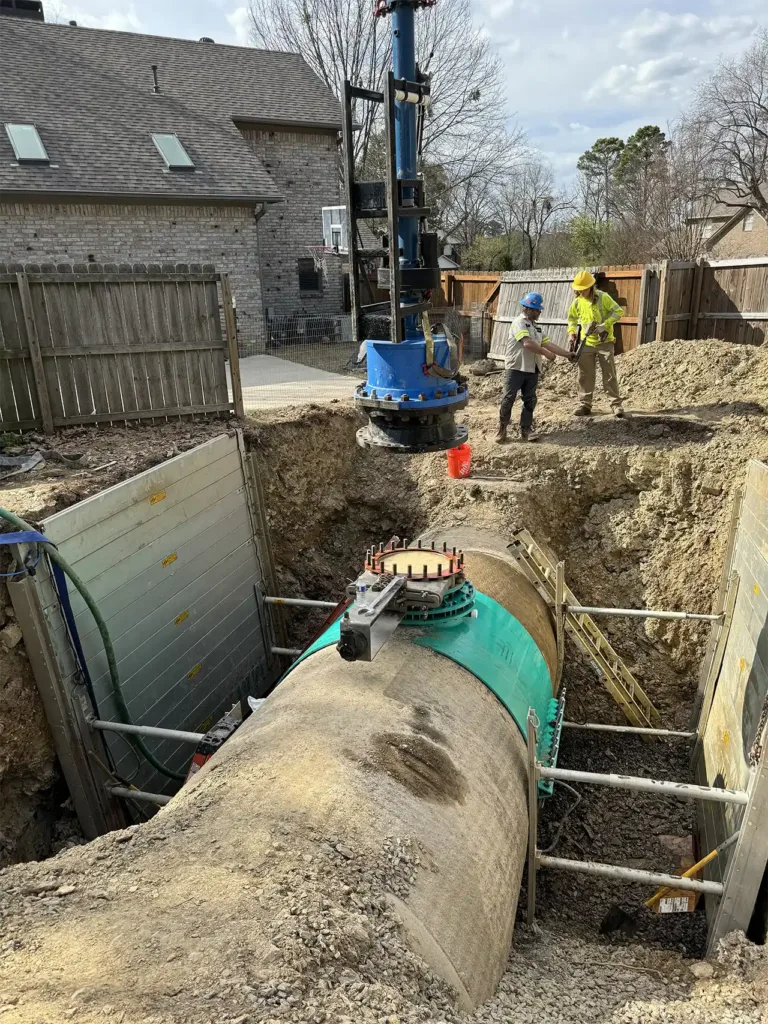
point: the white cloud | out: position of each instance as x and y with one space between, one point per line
241 25
576 126
498 8
670 76
654 32
124 20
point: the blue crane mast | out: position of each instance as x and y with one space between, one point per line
413 388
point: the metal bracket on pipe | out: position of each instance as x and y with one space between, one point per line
533 814
369 623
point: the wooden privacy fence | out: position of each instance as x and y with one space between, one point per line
111 344
725 299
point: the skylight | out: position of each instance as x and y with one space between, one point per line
175 156
27 145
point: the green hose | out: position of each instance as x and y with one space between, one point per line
122 707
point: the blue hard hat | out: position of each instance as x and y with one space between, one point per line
533 300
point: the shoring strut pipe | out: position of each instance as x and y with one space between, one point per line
642 613
180 735
681 790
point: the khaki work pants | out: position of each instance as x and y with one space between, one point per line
588 359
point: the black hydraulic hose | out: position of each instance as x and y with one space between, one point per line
122 707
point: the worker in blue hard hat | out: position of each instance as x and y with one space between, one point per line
527 348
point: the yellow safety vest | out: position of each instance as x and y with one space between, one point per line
604 310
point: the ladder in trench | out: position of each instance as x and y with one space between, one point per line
546 576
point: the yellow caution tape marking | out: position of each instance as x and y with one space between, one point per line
726 738
756 589
181 618
171 558
193 672
156 497
742 664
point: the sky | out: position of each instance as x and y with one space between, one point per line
575 72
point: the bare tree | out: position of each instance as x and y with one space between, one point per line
730 117
463 128
338 40
531 202
682 199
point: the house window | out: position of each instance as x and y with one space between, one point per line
748 223
309 277
27 145
171 150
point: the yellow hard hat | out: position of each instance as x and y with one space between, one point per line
582 281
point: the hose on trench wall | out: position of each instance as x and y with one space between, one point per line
122 707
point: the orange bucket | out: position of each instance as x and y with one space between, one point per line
459 461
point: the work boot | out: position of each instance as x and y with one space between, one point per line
583 411
501 437
527 435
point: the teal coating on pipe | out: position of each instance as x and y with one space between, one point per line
494 647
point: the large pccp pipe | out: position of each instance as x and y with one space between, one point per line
411 745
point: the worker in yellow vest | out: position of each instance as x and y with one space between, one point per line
596 313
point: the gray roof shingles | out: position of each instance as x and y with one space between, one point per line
90 94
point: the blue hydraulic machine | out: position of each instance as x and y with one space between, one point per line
414 388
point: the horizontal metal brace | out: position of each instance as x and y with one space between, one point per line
376 307
641 613
290 652
303 602
632 729
137 794
365 94
655 878
681 790
402 211
414 307
180 735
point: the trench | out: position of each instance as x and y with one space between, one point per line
628 523
625 519
640 513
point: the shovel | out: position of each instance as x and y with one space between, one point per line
618 919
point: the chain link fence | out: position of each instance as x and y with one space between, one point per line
303 358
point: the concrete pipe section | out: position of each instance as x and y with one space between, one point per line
414 744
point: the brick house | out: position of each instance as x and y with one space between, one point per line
119 147
732 230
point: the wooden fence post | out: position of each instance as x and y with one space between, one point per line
36 358
698 279
661 314
642 304
234 359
